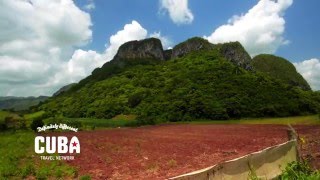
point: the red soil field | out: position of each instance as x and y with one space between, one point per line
164 151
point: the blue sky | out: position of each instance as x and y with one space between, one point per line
46 44
302 22
110 16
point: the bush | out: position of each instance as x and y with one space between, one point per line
74 123
135 99
299 170
37 122
3 126
22 124
145 120
10 122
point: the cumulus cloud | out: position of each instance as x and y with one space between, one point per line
310 70
133 31
260 30
166 41
84 62
178 10
35 38
39 41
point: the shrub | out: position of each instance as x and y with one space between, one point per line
37 122
3 126
74 123
135 99
299 170
22 124
10 122
85 177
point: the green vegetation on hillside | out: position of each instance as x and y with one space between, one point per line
34 115
279 68
200 85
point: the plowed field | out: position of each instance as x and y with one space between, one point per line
163 151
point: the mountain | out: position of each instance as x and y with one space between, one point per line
130 54
20 103
194 80
279 68
63 89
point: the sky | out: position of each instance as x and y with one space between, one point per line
46 44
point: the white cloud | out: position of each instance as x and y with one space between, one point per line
166 41
35 39
260 30
39 41
83 62
133 31
178 10
90 6
310 70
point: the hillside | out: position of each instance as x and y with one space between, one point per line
20 103
203 82
64 89
279 68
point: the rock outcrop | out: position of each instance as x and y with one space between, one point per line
167 54
235 53
193 44
145 49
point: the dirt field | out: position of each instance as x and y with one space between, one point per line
310 144
159 152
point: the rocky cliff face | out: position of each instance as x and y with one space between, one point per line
235 53
150 51
167 54
145 49
193 44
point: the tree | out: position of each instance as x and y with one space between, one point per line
37 122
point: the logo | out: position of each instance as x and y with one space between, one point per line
61 145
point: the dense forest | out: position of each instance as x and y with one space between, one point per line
194 80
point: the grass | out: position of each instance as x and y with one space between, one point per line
13 148
125 117
3 115
300 171
34 115
92 123
304 120
18 160
107 122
